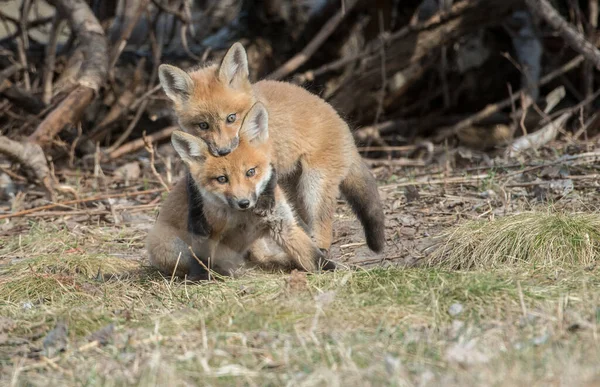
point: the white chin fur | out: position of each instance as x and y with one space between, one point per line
260 187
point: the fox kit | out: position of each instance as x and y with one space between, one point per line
240 203
313 149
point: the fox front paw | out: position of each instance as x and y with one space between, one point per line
265 205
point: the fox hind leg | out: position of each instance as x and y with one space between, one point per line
316 197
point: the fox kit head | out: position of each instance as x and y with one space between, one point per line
237 179
211 102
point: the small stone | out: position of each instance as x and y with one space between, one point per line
455 309
539 340
392 364
56 340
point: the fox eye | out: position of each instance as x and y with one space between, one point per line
203 125
251 172
231 118
222 179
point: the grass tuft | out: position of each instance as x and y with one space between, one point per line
535 238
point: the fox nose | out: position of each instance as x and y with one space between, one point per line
223 152
244 203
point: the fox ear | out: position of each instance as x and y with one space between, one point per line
191 149
256 124
176 83
233 71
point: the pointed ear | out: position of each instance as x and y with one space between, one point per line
176 83
233 71
256 124
191 149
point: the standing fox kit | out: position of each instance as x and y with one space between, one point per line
241 203
313 149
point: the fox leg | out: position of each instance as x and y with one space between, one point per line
265 254
170 253
316 197
292 239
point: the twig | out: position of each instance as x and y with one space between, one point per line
400 162
588 72
544 10
50 59
23 42
130 128
139 143
450 180
150 149
132 15
178 14
308 51
397 148
146 95
121 106
78 201
135 208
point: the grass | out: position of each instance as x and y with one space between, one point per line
520 324
535 238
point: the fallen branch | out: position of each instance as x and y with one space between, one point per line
538 138
30 156
92 75
140 144
544 10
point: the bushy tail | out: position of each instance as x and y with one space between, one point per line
360 190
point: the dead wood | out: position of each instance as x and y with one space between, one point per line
494 108
29 155
92 74
133 12
50 59
299 59
409 46
544 10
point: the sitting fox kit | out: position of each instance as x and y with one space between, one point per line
313 149
240 202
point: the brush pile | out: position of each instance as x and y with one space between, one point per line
79 87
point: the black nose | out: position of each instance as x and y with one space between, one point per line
223 152
244 203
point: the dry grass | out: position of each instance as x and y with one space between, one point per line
535 325
537 239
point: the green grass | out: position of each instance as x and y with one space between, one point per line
520 324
